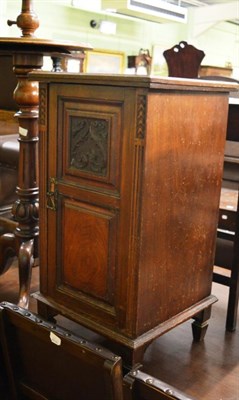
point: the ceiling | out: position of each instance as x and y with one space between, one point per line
202 3
197 3
202 14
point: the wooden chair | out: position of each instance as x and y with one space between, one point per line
227 245
45 362
141 386
183 60
9 157
9 153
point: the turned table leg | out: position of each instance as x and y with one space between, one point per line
24 242
26 262
21 235
26 207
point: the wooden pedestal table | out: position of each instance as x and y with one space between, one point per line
27 55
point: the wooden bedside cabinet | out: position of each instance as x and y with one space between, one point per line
130 178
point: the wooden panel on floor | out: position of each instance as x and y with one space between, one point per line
207 371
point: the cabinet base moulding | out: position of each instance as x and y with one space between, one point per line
131 349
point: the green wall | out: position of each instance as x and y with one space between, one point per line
59 20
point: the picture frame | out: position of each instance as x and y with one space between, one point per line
104 61
159 65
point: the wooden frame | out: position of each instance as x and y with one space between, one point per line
103 61
44 361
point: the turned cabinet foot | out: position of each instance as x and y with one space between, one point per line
130 356
134 357
46 312
200 325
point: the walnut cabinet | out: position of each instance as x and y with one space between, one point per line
130 178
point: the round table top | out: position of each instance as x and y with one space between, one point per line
37 45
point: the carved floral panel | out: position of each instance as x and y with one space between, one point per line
89 139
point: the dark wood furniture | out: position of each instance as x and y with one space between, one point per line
9 159
8 83
227 253
141 386
9 154
227 245
41 360
183 60
127 233
27 54
44 361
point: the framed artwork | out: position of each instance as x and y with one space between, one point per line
103 61
159 65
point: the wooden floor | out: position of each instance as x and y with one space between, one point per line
206 371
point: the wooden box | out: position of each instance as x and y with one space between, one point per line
209 70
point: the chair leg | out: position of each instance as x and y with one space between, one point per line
232 307
7 251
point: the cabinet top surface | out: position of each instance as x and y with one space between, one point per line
148 82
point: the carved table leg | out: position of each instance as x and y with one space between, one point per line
23 243
26 207
25 261
200 325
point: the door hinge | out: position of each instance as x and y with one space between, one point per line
52 194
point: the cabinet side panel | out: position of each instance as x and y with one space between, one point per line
182 179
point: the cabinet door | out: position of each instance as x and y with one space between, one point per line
84 244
